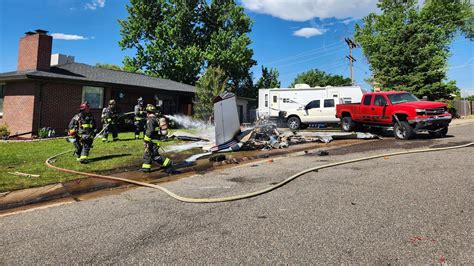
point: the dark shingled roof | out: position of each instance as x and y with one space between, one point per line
87 73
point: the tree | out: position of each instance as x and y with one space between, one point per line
178 40
209 85
108 66
118 68
407 47
316 77
269 79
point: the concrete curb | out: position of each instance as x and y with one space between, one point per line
19 198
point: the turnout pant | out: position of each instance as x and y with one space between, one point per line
139 127
83 146
111 128
151 154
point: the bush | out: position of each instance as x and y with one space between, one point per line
451 108
46 132
4 132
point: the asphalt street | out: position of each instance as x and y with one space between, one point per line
414 208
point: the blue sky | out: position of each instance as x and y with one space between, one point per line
292 36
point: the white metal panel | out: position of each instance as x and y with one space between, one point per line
226 120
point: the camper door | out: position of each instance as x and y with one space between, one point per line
274 104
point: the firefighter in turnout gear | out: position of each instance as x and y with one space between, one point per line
82 130
156 130
140 118
110 117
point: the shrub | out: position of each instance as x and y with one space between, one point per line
46 132
451 108
4 132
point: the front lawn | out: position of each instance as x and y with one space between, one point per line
29 157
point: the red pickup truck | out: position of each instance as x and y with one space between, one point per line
402 110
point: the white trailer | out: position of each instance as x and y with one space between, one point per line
306 104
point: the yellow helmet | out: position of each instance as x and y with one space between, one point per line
150 108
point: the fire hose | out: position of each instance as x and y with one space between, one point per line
248 195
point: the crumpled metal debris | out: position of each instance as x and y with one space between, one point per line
266 136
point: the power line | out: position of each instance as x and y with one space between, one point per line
309 59
312 51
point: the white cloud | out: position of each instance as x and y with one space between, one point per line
308 32
304 10
68 37
94 4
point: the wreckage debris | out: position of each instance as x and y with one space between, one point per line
322 153
266 136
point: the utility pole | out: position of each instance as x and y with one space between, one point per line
351 45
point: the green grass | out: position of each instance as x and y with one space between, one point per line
29 157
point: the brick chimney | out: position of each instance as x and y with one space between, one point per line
34 52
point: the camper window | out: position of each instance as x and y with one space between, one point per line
275 98
347 100
328 103
266 100
312 104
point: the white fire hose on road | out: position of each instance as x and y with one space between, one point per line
248 195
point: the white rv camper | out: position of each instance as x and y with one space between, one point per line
303 105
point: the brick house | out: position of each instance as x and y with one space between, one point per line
46 90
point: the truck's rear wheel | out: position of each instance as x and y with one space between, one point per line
440 133
294 122
403 130
347 124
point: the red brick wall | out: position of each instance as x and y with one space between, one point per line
35 104
35 52
18 106
59 103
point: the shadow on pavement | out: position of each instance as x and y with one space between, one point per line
107 157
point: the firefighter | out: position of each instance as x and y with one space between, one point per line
156 130
82 130
140 118
110 117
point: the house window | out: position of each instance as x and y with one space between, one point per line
93 95
328 103
121 97
2 96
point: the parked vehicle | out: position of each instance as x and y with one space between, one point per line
398 109
303 105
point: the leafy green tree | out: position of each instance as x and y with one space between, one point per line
269 79
116 67
408 47
108 66
178 40
316 77
209 85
